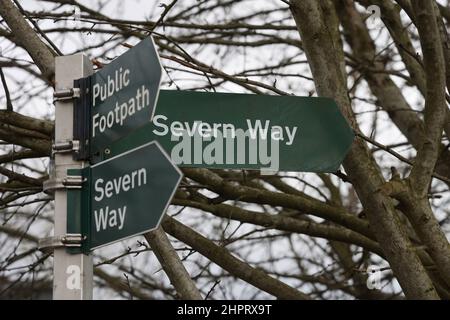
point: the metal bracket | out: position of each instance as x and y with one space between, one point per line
66 146
73 182
66 94
70 240
69 182
81 118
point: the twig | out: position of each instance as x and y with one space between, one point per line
212 289
163 15
9 105
50 42
129 285
398 156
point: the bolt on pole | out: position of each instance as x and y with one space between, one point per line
72 273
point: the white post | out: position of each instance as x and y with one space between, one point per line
72 273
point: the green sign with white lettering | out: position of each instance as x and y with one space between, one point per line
246 131
123 196
122 95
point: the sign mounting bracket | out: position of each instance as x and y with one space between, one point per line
66 94
69 240
81 119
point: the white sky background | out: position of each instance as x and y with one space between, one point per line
228 60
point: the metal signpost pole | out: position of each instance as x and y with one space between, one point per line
73 273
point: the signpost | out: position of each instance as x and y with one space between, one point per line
246 131
72 273
131 180
91 113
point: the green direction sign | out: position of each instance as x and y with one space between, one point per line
124 196
123 95
246 131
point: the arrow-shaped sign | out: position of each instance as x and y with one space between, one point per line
117 99
246 131
123 196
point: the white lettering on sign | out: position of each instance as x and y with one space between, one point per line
107 217
264 130
126 182
258 143
111 86
276 131
121 112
